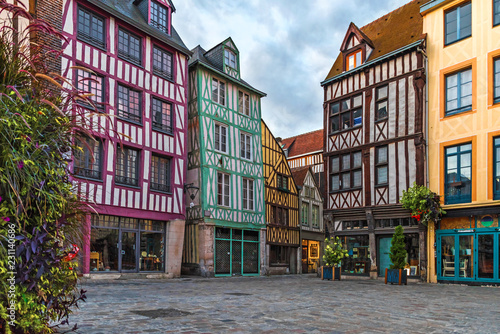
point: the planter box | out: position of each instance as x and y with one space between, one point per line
330 273
396 276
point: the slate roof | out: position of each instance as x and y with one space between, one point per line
389 33
127 11
200 56
304 143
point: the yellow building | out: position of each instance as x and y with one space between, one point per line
463 49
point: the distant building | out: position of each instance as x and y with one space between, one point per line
374 145
225 231
463 49
282 209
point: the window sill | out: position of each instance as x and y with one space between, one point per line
165 77
382 119
456 41
87 178
91 108
382 185
121 118
344 190
457 114
89 42
127 185
221 152
217 103
345 130
137 63
247 160
160 191
163 131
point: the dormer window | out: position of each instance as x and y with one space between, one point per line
230 59
353 60
159 17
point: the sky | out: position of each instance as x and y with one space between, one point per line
287 47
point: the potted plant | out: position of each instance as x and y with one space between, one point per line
424 204
334 252
397 273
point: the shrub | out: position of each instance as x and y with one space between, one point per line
398 250
333 252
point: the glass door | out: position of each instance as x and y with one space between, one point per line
487 257
464 258
447 257
128 251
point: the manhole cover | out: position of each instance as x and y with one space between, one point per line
238 294
162 313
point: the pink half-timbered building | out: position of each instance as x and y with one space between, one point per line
135 179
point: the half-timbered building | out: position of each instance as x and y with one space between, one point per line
130 60
225 231
312 231
374 147
282 208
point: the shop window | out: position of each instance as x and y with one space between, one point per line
412 250
458 174
346 114
358 255
103 249
381 112
496 168
279 255
305 214
345 171
354 224
393 222
458 23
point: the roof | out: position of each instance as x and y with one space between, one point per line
303 144
127 11
200 56
406 21
299 175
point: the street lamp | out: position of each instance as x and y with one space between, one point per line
192 191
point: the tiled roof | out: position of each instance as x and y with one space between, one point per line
299 175
391 32
304 143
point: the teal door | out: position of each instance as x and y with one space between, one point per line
384 247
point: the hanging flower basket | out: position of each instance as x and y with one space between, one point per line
424 204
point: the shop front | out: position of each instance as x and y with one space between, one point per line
236 252
311 254
468 249
358 255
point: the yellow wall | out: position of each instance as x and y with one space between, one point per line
477 126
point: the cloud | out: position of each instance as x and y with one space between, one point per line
287 47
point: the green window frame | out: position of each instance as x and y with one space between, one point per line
305 214
315 216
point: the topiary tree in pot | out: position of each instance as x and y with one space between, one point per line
334 252
396 273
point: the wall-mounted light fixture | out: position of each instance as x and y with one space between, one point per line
192 191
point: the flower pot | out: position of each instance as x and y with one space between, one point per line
396 276
330 273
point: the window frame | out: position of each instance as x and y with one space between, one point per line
155 174
244 154
218 138
88 157
89 39
87 81
341 171
355 59
126 54
315 217
248 193
159 70
383 164
456 199
223 199
496 15
460 109
228 59
244 103
349 110
127 117
379 101
496 166
169 129
124 180
221 87
154 23
282 182
496 84
304 217
458 18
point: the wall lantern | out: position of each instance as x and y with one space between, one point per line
192 191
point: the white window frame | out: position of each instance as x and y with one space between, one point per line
230 59
223 184
221 145
315 218
246 139
244 103
218 91
248 194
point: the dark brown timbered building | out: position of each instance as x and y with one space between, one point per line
282 208
374 145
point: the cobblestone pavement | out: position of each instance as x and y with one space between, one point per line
285 304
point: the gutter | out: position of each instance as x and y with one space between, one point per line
373 62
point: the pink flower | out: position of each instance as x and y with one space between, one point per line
0 198
7 219
20 164
36 145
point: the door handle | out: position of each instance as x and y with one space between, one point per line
123 252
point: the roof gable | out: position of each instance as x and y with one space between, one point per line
354 37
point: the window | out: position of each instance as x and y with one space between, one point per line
162 115
87 161
496 168
244 103
459 92
230 58
129 102
279 215
127 166
458 23
346 114
315 216
354 60
218 92
282 182
129 46
345 171
279 255
159 17
304 217
222 189
458 166
160 173
381 166
496 12
382 107
91 84
162 63
247 194
91 28
246 146
496 80
221 138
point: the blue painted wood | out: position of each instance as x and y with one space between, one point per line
384 250
327 273
393 276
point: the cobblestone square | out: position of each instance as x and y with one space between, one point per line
284 304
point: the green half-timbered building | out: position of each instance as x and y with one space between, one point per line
225 223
